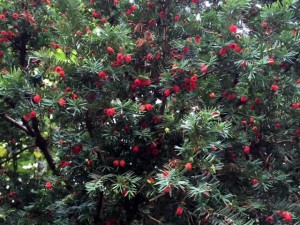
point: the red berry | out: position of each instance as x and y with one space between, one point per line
274 87
167 92
176 88
110 50
257 100
255 181
188 166
179 210
176 18
32 114
165 174
110 111
212 95
15 16
150 4
127 58
120 57
287 216
214 148
149 57
271 61
152 23
122 163
204 68
137 82
102 74
136 148
243 99
222 51
76 149
193 79
198 39
151 180
264 25
62 102
116 162
148 107
133 7
270 219
247 150
48 185
36 99
244 122
233 28
251 120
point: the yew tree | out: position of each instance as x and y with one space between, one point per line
117 112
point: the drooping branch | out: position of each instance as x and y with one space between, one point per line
6 117
43 145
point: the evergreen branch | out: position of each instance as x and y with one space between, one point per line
12 157
43 146
15 123
290 65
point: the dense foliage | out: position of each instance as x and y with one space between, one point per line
122 112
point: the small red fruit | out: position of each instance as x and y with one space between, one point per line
204 68
243 99
212 95
136 148
271 61
255 181
133 7
264 25
152 23
188 166
122 163
76 149
116 163
148 107
270 219
62 102
274 87
127 58
32 114
165 174
110 50
233 28
198 39
110 111
247 150
176 18
176 88
179 211
287 216
36 99
167 92
48 185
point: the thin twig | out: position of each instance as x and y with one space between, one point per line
156 197
24 149
155 220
